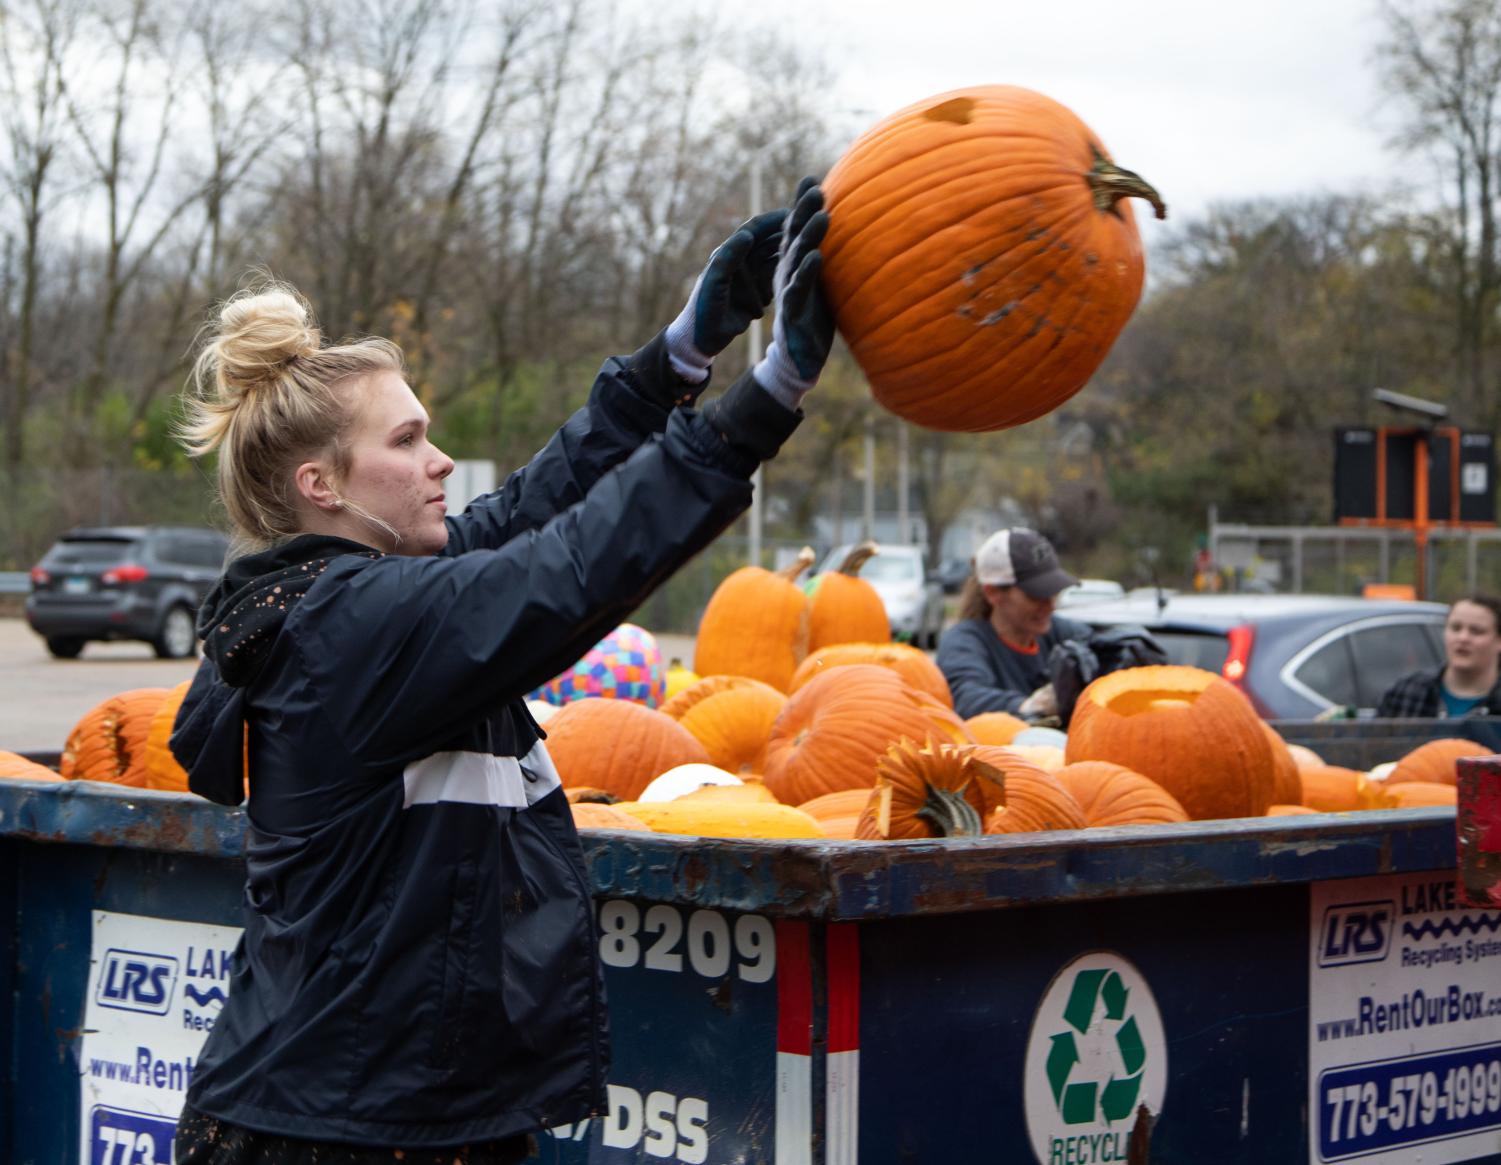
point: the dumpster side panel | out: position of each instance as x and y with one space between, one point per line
60 887
1227 973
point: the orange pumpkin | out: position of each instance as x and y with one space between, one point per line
595 815
1420 794
1110 794
981 256
1334 789
1188 729
618 745
14 766
1303 756
930 790
1287 786
835 727
845 608
998 728
756 624
838 813
911 663
109 742
159 768
731 716
1434 761
1290 811
1035 799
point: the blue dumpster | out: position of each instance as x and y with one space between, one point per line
1263 991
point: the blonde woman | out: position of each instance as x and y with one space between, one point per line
417 979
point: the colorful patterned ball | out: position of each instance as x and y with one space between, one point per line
625 665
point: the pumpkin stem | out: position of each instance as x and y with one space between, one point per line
950 814
1110 183
858 557
802 562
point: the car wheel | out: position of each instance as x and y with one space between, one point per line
177 637
65 648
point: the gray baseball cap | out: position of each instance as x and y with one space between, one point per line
1021 558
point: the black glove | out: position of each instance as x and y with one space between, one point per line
803 332
734 289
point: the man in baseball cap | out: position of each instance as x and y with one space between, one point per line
996 656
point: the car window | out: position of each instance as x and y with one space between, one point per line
1194 650
1387 652
90 552
172 548
892 568
208 552
1330 672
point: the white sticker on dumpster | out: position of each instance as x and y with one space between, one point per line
1404 1009
155 989
1096 1054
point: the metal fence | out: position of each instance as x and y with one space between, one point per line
1345 559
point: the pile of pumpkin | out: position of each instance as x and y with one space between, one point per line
865 744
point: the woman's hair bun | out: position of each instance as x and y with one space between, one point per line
260 332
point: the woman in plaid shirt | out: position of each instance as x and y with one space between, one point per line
1469 683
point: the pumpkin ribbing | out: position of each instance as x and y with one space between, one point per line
981 238
844 607
756 624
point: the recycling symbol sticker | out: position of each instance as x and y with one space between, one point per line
1095 1056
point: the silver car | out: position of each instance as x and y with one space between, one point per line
913 599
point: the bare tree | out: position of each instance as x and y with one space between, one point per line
1444 63
33 45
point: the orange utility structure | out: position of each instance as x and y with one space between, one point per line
1414 477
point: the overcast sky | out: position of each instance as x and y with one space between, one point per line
1209 101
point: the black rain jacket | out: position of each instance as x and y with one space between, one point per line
418 964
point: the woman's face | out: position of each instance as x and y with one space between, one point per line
1471 639
1022 612
394 471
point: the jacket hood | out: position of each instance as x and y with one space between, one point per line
239 622
242 614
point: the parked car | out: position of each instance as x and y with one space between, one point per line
125 582
1294 655
1090 590
914 601
952 573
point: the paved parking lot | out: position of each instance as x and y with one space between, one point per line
41 698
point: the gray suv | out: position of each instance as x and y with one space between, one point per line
125 582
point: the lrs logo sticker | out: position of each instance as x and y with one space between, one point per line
1360 932
137 981
1096 1055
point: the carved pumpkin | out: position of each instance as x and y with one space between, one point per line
998 728
618 745
835 728
838 813
14 766
159 768
845 608
731 716
596 815
1035 799
911 663
1110 794
109 742
756 624
981 256
1434 761
1334 789
1188 729
1287 785
751 819
1420 795
931 790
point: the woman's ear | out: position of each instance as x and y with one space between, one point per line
313 484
